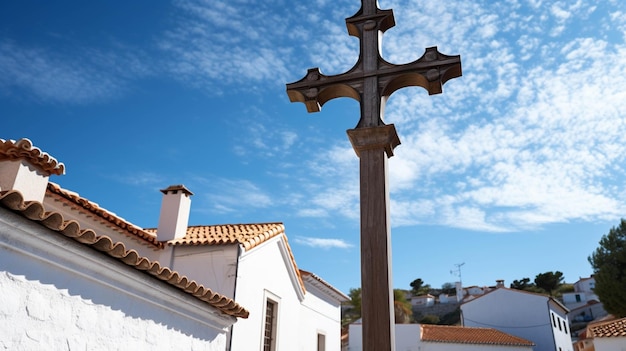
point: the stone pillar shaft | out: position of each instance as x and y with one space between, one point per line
373 146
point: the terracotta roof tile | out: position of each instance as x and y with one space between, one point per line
469 335
36 212
248 235
72 198
608 329
24 149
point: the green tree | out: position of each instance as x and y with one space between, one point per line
402 307
448 288
521 284
549 281
352 313
416 285
419 288
609 266
403 311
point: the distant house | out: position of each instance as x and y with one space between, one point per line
538 318
209 266
68 286
588 312
583 293
423 300
424 337
608 335
471 292
583 303
445 298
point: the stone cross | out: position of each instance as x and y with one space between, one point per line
371 81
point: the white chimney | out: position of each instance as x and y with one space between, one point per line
26 168
174 216
459 291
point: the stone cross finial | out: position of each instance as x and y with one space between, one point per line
372 79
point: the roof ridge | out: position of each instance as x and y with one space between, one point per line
108 216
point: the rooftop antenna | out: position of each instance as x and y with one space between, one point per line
457 272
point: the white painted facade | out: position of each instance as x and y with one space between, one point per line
610 343
58 294
534 317
266 272
423 300
407 337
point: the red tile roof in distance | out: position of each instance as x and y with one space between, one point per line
470 335
613 328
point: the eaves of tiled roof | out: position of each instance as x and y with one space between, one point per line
248 235
319 281
24 149
469 335
36 212
75 200
613 328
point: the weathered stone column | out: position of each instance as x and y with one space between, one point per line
373 146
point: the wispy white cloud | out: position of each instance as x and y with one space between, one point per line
530 135
88 76
231 195
323 243
141 178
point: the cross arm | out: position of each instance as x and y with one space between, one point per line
315 89
430 72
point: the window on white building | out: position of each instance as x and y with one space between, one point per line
321 342
269 327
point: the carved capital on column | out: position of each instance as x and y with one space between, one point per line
372 138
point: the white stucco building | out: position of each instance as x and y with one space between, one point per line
582 294
535 317
174 282
65 286
290 309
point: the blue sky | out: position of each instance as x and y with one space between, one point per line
515 170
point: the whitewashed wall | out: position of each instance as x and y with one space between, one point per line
319 314
407 337
58 294
610 344
211 266
263 272
517 313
